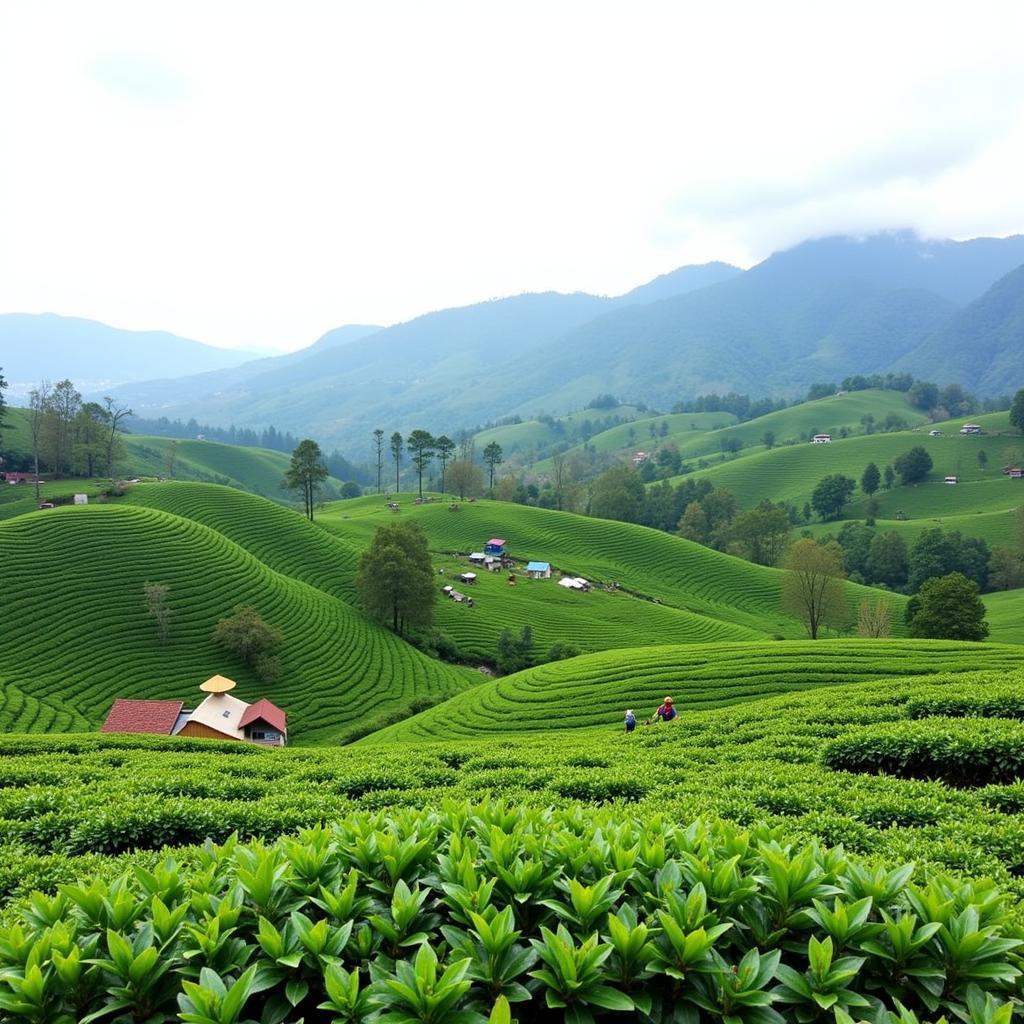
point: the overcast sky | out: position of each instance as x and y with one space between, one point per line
253 174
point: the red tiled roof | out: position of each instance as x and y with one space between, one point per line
269 713
496 542
156 716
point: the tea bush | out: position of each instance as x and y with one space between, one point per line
452 914
959 752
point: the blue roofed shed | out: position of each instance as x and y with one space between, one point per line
538 570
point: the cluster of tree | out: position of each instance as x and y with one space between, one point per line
459 471
248 636
395 579
946 607
72 438
516 651
859 382
270 437
941 403
743 407
246 437
155 595
883 559
1017 411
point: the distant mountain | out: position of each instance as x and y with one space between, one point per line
820 311
34 347
679 282
448 365
981 346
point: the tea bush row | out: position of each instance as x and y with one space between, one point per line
756 761
448 915
595 689
961 752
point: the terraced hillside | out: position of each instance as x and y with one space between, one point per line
694 434
594 690
791 473
661 567
21 712
279 537
76 633
598 620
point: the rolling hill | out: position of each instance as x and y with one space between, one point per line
76 633
706 434
655 566
790 473
594 690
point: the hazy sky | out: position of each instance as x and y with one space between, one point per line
256 173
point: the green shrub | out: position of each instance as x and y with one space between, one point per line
958 752
470 907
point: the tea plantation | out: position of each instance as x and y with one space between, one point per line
596 690
76 633
791 473
737 864
645 562
698 435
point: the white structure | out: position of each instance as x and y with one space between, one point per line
821 439
952 480
936 433
970 428
81 499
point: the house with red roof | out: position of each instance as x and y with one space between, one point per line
219 716
495 547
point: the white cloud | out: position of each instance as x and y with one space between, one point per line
256 173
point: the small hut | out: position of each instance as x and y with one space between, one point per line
538 570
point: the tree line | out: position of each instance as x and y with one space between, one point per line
68 437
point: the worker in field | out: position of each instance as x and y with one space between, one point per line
665 713
630 720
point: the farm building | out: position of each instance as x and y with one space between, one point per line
495 547
21 478
821 439
935 433
1015 472
538 570
218 717
970 428
574 583
952 480
640 457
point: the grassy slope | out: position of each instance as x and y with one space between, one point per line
257 470
281 538
675 572
531 434
791 473
998 529
595 690
796 423
76 631
1005 616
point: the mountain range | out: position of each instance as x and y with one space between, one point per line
36 347
825 309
